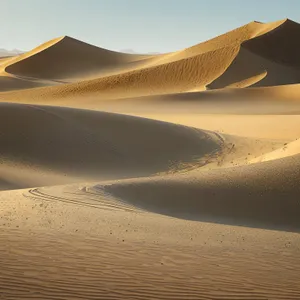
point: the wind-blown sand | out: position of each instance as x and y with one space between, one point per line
170 176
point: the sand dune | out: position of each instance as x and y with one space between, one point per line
66 58
279 44
89 145
169 176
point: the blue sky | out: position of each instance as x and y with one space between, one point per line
141 25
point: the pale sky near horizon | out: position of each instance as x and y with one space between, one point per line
141 25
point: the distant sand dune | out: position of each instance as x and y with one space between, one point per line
231 38
189 69
66 57
179 75
8 83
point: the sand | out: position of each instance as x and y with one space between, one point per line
168 176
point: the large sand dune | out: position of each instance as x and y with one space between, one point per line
81 143
170 176
66 58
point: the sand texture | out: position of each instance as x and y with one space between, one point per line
166 176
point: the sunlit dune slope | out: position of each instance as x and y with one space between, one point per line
4 59
289 149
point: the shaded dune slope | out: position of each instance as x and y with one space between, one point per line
260 195
93 144
280 45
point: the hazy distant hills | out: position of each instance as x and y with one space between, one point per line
131 51
4 52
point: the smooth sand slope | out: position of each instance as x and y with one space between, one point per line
96 145
171 176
